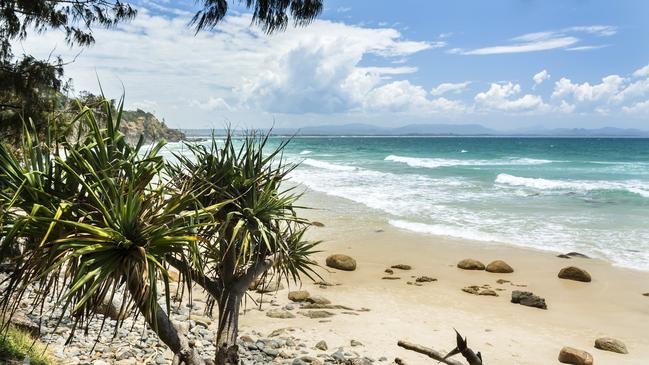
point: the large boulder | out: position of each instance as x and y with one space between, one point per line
499 267
341 262
611 344
569 355
528 299
470 264
574 273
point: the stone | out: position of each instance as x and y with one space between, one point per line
317 224
470 264
299 362
489 292
611 344
298 296
502 281
569 355
279 313
473 289
355 343
574 273
577 254
389 271
499 267
322 345
646 294
315 314
112 309
339 356
528 299
270 285
23 323
425 279
401 267
318 300
247 339
341 262
391 278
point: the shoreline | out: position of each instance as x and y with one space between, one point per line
578 313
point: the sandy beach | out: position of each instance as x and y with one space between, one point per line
612 305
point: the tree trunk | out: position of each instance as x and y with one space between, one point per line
161 324
227 350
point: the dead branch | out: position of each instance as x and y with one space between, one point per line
435 355
462 348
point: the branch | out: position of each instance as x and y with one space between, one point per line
435 355
211 286
255 270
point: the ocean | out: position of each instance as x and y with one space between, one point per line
589 195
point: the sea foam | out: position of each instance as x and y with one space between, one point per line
635 187
444 162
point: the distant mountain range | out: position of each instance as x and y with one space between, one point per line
359 129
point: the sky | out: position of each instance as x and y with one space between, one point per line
505 64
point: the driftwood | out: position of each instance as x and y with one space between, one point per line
462 348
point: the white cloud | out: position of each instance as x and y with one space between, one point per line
212 104
499 97
586 48
586 92
642 72
448 87
565 38
540 77
638 108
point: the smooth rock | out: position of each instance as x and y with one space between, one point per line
316 314
317 224
401 267
470 264
499 267
355 343
391 278
298 296
322 345
574 273
611 344
569 355
112 309
318 300
425 279
528 299
341 262
23 323
389 271
279 313
488 292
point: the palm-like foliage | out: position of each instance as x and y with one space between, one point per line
102 222
259 227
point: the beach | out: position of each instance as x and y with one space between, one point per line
612 305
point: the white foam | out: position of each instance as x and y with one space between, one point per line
444 162
305 152
443 230
327 165
631 186
464 151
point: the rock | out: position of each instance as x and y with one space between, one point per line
473 289
611 344
317 224
322 345
299 362
470 264
278 313
341 262
646 294
489 292
574 273
318 300
270 285
391 278
499 267
425 279
316 314
401 267
389 271
247 339
577 254
23 323
569 355
355 343
298 296
339 356
528 299
502 281
112 309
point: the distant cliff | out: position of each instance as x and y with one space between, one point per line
139 122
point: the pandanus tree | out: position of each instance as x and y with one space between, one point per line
99 223
259 227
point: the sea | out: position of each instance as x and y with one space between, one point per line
589 195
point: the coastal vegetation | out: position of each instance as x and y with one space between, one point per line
95 220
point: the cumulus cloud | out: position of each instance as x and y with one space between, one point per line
540 77
449 87
642 72
638 108
499 97
609 86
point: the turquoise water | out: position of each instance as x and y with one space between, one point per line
559 194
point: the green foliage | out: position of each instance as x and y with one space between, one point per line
16 344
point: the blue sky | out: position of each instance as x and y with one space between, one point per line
505 64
